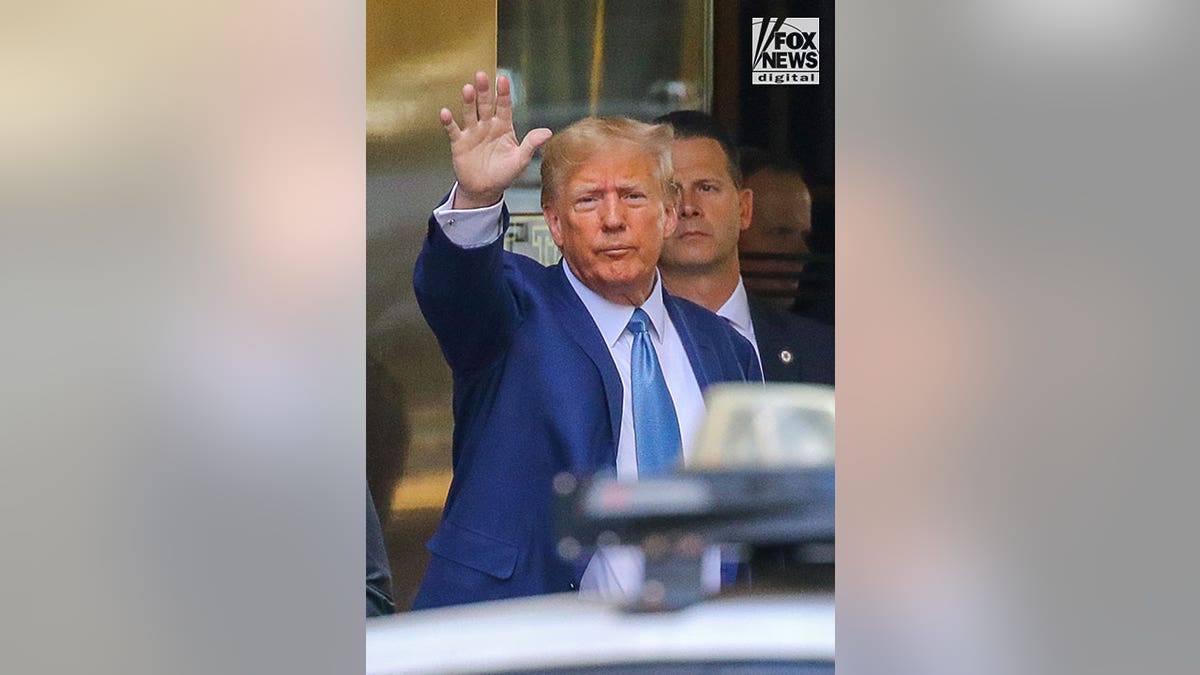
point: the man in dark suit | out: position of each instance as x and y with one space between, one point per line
774 249
582 367
700 260
787 252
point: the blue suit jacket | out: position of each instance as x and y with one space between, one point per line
535 393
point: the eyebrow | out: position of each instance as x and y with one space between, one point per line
717 180
592 188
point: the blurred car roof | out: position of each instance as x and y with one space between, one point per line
566 631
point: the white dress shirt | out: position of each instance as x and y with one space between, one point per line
612 320
469 228
736 311
614 572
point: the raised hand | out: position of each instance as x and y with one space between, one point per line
487 156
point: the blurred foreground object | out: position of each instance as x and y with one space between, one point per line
564 633
761 480
770 427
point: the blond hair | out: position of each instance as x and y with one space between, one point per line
572 147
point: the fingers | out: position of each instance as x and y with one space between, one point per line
485 98
504 99
480 102
447 119
533 139
469 112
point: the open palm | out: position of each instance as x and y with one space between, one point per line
487 156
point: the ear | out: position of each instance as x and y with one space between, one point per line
555 223
670 218
746 208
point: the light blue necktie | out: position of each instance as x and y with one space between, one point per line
655 425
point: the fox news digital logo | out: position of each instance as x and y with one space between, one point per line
785 51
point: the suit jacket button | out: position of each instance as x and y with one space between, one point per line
785 356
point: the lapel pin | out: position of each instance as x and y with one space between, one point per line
785 356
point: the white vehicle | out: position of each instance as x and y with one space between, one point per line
565 633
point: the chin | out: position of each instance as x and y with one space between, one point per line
623 280
689 263
626 278
693 255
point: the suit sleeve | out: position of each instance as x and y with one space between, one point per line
465 298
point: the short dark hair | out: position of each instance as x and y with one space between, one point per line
698 124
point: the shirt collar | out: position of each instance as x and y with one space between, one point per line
612 318
737 311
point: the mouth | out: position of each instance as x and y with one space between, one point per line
693 234
616 251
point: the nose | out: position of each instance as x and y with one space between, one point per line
612 216
688 208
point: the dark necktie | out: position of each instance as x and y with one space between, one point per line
655 425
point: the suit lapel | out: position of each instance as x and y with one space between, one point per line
771 339
697 344
578 324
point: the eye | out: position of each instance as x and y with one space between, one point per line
708 188
636 196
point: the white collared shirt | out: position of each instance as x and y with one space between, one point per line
614 572
618 571
469 228
736 311
612 320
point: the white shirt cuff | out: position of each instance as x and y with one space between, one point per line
469 228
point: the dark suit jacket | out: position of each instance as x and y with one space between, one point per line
793 348
535 393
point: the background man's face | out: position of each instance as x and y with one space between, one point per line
712 211
782 221
609 219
